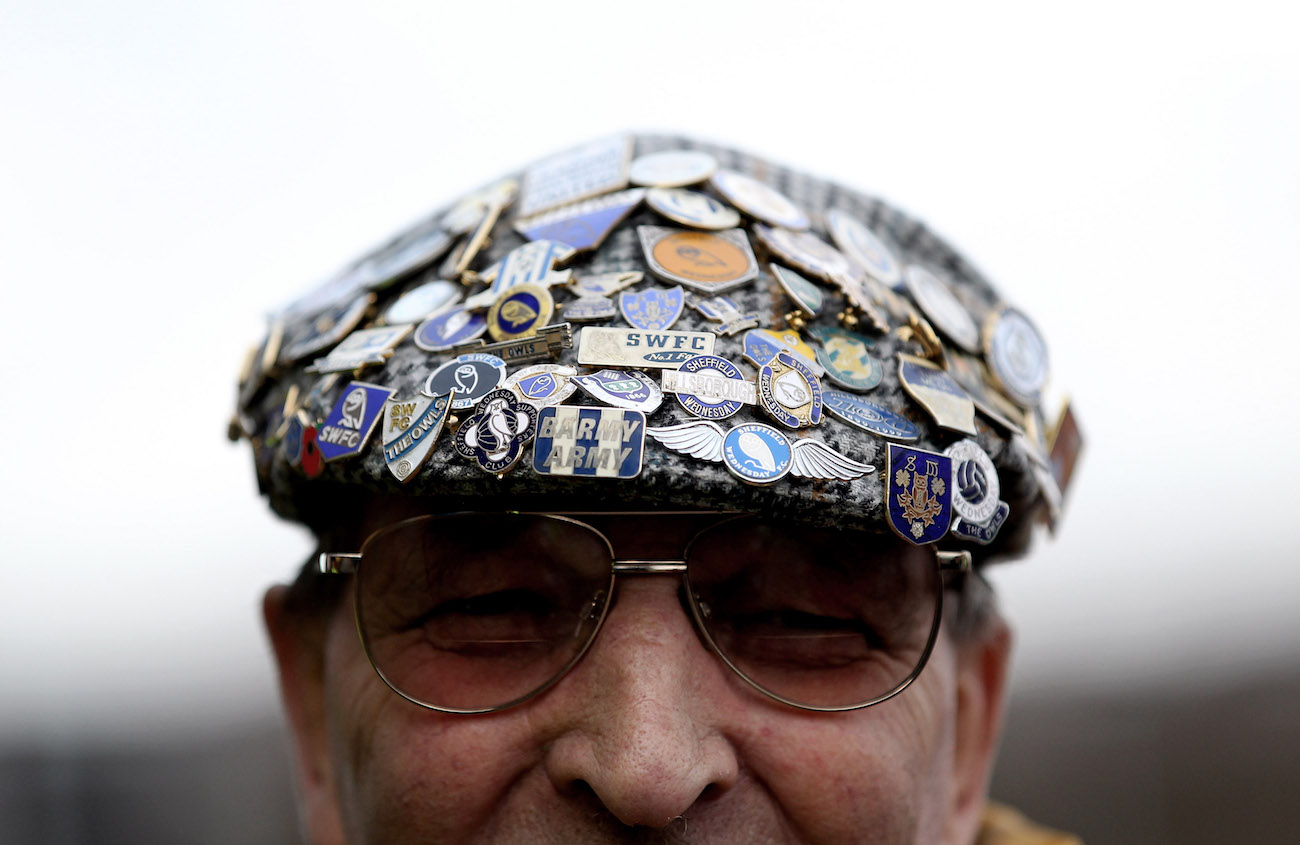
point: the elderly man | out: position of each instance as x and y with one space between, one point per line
652 487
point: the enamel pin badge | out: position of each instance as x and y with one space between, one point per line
347 428
631 390
411 428
919 494
1016 355
327 329
672 168
419 251
530 264
762 345
586 171
758 200
869 416
805 252
449 329
605 347
724 311
651 309
941 306
863 247
420 302
788 391
472 376
593 292
360 349
520 311
583 225
495 434
847 358
706 262
691 208
587 442
543 384
978 512
935 390
709 387
759 454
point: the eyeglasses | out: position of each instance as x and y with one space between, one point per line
475 613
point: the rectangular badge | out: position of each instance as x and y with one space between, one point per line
636 348
589 442
586 171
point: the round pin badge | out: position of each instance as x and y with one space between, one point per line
806 252
975 486
519 311
672 168
1016 355
543 384
449 329
472 376
944 311
419 302
758 200
710 387
847 358
863 247
869 416
806 296
691 208
756 453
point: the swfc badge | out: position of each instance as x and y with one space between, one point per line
472 376
652 309
495 434
411 427
348 426
919 494
586 442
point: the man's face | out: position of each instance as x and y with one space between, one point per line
650 738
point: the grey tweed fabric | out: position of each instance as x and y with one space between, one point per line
668 480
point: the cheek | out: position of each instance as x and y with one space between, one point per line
400 769
882 774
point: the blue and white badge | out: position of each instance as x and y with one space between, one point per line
590 170
411 428
360 349
496 432
589 309
632 390
425 248
327 329
788 391
652 309
291 443
919 494
709 387
585 442
985 533
543 384
869 416
1017 355
975 485
724 311
805 251
937 392
863 248
756 453
530 264
583 225
473 376
419 302
449 329
348 426
806 296
762 345
691 208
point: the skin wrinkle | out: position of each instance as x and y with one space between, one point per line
648 707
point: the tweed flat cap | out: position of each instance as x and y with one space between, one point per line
655 323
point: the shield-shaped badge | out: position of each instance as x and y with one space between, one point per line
919 497
347 428
411 427
652 309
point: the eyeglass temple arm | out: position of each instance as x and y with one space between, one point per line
954 561
341 563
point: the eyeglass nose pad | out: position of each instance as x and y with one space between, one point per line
590 613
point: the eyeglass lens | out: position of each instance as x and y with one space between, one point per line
472 612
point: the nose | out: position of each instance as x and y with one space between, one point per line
646 713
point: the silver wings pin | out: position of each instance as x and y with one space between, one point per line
809 458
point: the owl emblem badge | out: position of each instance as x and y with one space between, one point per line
919 498
494 436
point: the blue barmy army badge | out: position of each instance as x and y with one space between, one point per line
652 309
495 434
411 428
347 428
586 442
919 494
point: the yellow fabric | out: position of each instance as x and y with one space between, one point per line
1004 826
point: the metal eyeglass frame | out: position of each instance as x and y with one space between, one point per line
347 563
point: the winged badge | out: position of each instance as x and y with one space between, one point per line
810 458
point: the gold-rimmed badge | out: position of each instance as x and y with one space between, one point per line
936 392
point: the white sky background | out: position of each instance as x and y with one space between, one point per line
169 171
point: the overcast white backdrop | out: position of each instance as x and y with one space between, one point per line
1128 174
